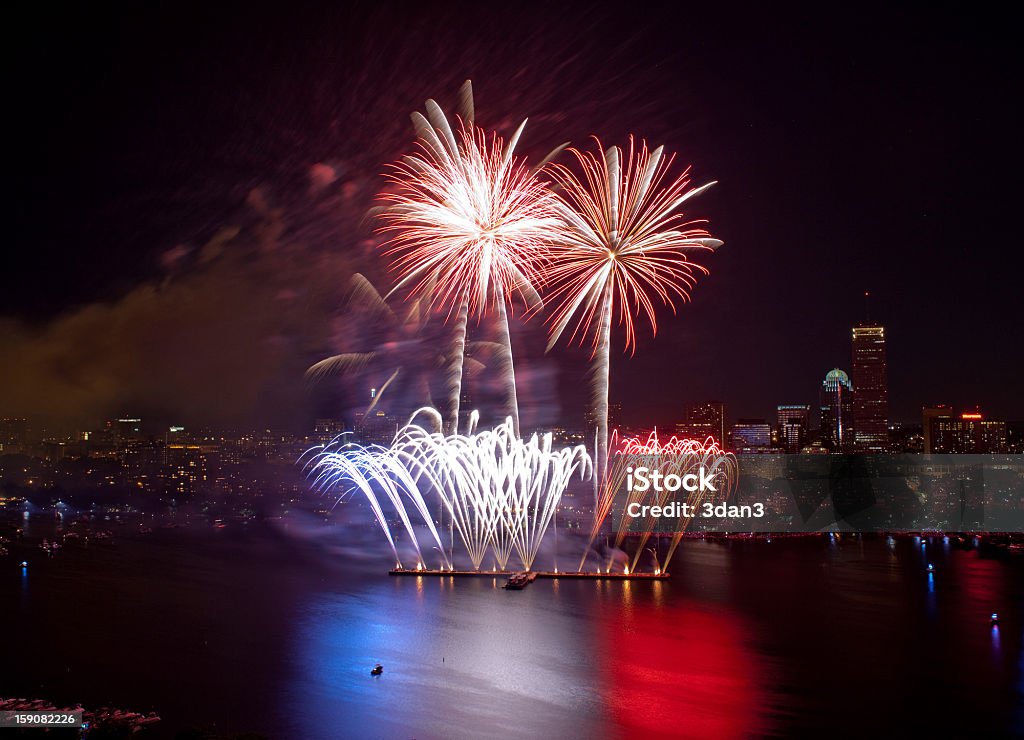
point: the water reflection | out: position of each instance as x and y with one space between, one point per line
681 671
470 659
746 639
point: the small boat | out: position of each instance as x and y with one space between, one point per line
377 670
517 582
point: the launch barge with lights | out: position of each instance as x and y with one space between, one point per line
537 574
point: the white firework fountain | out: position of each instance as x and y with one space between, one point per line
499 492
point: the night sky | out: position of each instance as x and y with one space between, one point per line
190 188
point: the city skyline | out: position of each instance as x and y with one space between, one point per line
693 417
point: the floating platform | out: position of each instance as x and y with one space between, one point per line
535 573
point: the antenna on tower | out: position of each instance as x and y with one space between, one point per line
867 307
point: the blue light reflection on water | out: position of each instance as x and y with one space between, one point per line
501 662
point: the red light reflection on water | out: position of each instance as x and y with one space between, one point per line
682 671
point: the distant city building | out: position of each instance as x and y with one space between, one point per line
13 435
128 429
836 409
1015 437
871 399
704 420
378 427
928 415
467 405
185 470
905 438
142 462
326 430
614 420
969 433
751 434
175 435
793 421
614 416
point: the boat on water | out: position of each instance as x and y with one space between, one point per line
519 581
377 670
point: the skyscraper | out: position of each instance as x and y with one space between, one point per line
705 420
793 422
837 411
870 379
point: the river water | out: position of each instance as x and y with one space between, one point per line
258 629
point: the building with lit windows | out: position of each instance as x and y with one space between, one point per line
326 431
836 412
870 378
704 420
185 471
969 433
751 435
928 415
793 421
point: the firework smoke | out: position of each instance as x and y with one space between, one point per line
403 350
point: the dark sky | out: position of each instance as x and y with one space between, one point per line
190 185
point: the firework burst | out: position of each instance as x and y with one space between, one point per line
623 246
469 227
624 243
469 221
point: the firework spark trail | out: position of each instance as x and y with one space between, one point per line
369 469
606 489
677 456
722 467
622 246
469 226
673 456
442 461
500 491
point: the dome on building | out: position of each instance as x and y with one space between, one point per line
837 377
